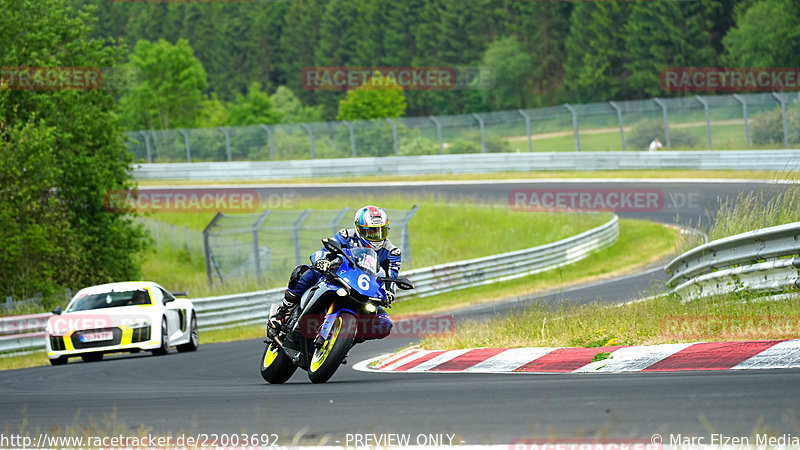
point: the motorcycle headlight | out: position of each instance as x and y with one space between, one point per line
370 307
341 292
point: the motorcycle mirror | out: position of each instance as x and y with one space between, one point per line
402 282
331 245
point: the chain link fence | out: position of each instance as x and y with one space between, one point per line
266 246
724 122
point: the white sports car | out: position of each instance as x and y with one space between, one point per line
121 317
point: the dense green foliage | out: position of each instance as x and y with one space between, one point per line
542 53
60 153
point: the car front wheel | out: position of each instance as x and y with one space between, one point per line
164 348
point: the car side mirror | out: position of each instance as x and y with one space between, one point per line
57 310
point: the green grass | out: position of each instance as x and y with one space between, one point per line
660 320
636 238
439 233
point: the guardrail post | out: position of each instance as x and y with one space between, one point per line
438 134
335 224
186 143
394 136
666 121
708 119
257 247
296 233
744 113
269 141
621 124
483 132
227 143
310 138
352 136
783 116
574 126
527 129
207 247
147 146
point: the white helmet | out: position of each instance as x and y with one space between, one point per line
372 226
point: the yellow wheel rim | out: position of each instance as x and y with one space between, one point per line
322 353
269 357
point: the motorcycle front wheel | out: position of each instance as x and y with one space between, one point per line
329 357
276 367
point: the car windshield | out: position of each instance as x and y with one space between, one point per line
366 260
111 299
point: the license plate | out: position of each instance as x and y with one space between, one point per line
100 336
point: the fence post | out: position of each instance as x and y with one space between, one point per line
186 143
744 113
310 138
227 143
785 123
188 244
394 136
621 124
158 234
269 141
173 243
296 233
207 247
527 129
666 121
147 146
257 247
708 119
438 134
352 136
68 294
335 224
574 126
406 246
483 132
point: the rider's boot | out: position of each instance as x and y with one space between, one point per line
290 301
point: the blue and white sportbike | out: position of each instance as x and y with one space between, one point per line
334 315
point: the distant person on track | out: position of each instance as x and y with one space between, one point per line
371 230
655 145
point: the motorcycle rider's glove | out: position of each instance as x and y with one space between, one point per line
322 265
389 296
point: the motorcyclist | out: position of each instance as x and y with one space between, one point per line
371 229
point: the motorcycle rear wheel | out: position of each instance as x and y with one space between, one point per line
327 359
276 367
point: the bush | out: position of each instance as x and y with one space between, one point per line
418 145
645 131
767 127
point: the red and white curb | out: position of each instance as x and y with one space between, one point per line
735 355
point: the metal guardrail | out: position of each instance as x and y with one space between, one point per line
253 307
472 163
761 260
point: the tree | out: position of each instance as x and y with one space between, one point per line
61 153
660 35
292 108
380 97
254 109
171 91
596 56
513 69
767 34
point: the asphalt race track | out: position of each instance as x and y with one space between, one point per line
218 388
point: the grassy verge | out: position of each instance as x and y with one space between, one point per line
439 232
636 238
659 320
634 174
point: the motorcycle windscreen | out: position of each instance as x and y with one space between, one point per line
363 277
